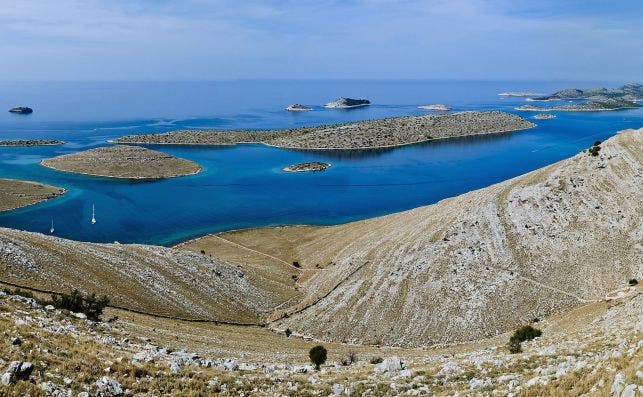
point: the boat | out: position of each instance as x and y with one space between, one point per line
51 231
93 215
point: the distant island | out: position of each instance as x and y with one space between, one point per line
544 116
347 103
591 99
297 108
16 193
21 110
307 167
31 142
370 134
126 162
438 107
519 93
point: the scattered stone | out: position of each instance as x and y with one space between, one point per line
107 387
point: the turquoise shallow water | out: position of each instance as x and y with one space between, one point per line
243 186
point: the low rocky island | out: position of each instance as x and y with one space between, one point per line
370 134
347 103
597 103
437 107
298 108
21 110
544 116
31 142
518 94
590 99
127 162
15 193
307 167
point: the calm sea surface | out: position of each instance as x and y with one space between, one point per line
243 186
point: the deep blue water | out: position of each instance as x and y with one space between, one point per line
243 186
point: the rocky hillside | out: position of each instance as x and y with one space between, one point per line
149 279
471 266
592 350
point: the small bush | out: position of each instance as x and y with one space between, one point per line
91 305
520 335
351 359
296 264
288 332
376 360
597 143
594 150
318 356
632 282
18 291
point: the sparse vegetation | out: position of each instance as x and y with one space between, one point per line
90 305
318 356
520 335
632 282
351 359
595 148
288 332
376 360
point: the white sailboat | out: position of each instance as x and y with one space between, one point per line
51 231
93 215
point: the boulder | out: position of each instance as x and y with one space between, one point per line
390 364
17 370
107 387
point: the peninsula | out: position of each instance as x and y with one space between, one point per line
597 103
127 162
31 142
390 132
16 193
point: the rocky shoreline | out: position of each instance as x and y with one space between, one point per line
31 142
370 134
125 162
16 194
314 166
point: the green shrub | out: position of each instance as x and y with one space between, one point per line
91 305
520 335
595 149
376 360
318 356
525 333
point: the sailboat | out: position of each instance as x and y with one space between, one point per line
51 231
93 215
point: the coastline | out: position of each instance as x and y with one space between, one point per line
138 178
363 135
60 192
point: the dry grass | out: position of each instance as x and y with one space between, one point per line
16 194
127 162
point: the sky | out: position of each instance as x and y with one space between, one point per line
105 40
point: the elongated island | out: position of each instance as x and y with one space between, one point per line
370 134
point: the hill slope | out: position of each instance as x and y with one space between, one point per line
474 265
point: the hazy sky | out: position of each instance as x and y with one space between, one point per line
216 40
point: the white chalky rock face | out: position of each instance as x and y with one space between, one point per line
481 263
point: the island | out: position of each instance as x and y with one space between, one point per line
297 108
307 167
370 134
544 116
16 193
347 103
590 99
21 110
31 142
598 103
437 107
126 162
519 93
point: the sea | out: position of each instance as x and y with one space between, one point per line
243 186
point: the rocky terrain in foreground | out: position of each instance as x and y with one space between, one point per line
15 193
389 132
127 162
592 350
